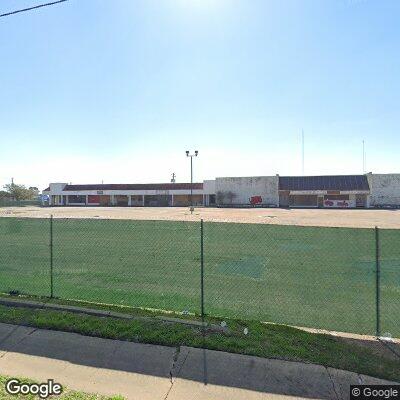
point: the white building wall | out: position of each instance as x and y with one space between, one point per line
385 189
352 200
246 187
209 187
57 188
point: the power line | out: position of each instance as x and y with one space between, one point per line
32 8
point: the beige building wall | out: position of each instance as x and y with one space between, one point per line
243 188
384 189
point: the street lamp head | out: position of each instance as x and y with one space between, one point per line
196 152
187 153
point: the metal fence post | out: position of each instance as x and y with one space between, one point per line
51 256
378 282
202 267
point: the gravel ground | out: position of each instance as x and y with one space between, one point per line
305 217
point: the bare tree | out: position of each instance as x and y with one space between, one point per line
20 192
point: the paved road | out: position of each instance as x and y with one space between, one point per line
140 371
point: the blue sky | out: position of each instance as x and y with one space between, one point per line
94 90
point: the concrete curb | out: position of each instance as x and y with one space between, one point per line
103 313
199 324
61 307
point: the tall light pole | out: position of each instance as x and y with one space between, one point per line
191 176
364 158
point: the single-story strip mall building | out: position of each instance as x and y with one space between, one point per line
134 195
337 191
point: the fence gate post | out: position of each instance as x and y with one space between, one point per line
51 256
202 267
378 282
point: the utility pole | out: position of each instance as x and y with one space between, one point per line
191 177
302 152
12 189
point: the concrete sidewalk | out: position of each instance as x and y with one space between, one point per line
140 371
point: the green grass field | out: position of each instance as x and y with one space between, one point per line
316 277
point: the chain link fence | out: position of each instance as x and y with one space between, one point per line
139 263
25 256
389 282
339 279
316 277
19 203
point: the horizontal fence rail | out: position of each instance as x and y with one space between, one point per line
340 279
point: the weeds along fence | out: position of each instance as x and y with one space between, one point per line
330 278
